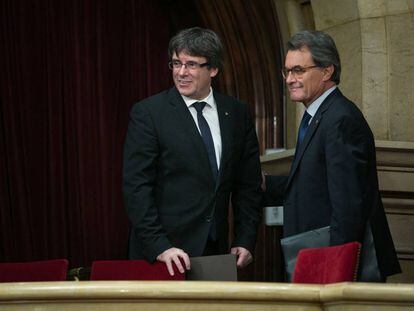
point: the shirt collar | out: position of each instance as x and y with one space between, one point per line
318 102
209 100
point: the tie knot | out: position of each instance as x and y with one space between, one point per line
306 117
199 106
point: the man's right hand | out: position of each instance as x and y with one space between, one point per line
177 256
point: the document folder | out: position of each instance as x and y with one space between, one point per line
213 268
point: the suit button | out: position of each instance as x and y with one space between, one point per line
208 219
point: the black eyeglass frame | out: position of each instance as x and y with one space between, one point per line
176 64
296 71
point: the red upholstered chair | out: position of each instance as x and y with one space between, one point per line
132 270
35 271
326 265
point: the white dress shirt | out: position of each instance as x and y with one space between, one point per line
313 108
211 115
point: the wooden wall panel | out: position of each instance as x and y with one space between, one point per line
249 30
395 162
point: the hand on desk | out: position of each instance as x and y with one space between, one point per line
244 257
175 256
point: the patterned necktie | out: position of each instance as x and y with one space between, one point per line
207 137
304 124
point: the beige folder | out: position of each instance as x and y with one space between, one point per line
213 268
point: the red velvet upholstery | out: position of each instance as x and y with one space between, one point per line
132 270
46 270
326 265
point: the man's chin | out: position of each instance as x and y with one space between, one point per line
186 94
184 91
296 99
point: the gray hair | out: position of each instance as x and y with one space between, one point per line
199 42
322 48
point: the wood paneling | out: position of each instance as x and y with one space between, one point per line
249 30
395 161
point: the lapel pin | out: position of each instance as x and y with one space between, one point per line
226 113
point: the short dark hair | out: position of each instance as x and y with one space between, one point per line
198 41
322 48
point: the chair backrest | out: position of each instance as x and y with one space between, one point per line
326 265
35 271
132 270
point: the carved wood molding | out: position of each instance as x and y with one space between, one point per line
249 30
395 161
395 154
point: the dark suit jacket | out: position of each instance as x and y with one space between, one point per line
333 181
170 194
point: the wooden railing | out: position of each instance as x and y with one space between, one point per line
188 295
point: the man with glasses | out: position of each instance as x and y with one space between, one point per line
333 178
189 150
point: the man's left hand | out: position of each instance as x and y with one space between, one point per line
244 257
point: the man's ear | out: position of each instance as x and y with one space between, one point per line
328 72
213 72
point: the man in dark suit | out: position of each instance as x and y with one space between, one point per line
189 150
333 178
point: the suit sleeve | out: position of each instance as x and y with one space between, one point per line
247 193
275 190
347 158
141 152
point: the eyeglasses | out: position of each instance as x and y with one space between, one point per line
176 64
296 71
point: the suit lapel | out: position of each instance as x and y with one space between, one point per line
186 121
226 120
316 120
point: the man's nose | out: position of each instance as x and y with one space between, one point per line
290 77
182 70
